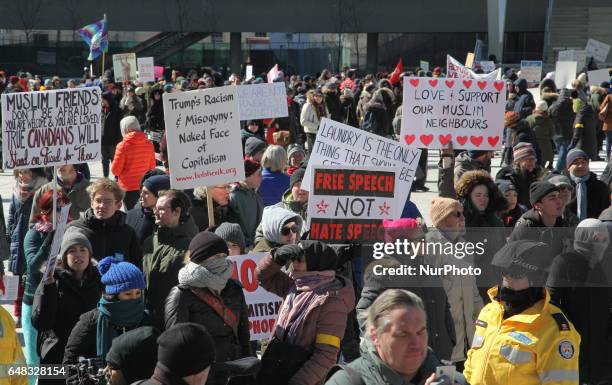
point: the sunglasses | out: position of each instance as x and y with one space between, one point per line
457 214
288 230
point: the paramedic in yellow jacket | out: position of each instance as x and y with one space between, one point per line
520 337
10 350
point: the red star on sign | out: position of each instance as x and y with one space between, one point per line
384 209
322 207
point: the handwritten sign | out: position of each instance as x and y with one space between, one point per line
424 65
146 70
579 56
565 72
343 145
597 50
50 128
124 67
348 204
248 72
487 65
468 113
531 70
203 134
11 288
56 243
455 69
260 101
598 76
262 305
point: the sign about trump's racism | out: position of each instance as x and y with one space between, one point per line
348 204
51 128
467 113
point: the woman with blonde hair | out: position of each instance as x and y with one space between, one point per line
312 112
274 181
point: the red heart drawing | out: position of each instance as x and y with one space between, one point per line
426 139
481 85
414 82
433 83
498 85
462 140
476 140
450 83
409 139
493 140
444 139
467 83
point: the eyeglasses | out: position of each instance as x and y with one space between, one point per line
225 187
287 230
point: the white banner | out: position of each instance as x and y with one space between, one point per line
263 305
51 128
598 76
146 72
342 145
468 113
261 101
531 70
597 49
565 72
203 134
454 69
124 67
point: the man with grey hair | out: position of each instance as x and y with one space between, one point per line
395 349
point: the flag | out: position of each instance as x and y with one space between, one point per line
95 35
273 73
397 71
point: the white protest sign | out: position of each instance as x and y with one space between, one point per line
469 60
11 288
424 65
565 72
146 71
597 49
531 70
467 113
579 56
348 204
535 92
203 134
56 244
487 66
51 128
262 305
248 72
343 145
124 67
455 69
261 101
598 76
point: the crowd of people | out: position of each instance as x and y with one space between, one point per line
143 282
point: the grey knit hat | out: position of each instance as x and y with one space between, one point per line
73 237
254 145
231 232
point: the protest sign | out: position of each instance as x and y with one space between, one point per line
455 69
597 50
10 288
347 204
467 113
56 243
265 100
565 72
203 134
424 65
158 71
535 92
124 67
487 66
248 72
262 305
340 144
49 128
531 70
146 71
469 60
598 76
579 56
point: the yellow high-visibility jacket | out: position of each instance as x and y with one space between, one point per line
10 350
538 346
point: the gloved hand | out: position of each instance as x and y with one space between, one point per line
286 253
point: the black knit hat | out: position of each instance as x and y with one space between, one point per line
204 245
186 349
157 183
319 256
297 176
135 353
539 190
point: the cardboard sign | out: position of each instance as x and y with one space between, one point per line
598 76
579 56
203 134
597 50
263 306
531 70
146 70
248 72
487 66
56 243
424 65
51 128
261 101
565 72
343 145
11 288
468 113
348 204
469 60
455 69
124 67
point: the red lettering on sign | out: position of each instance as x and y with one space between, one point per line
247 275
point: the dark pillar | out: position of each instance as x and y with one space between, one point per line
235 51
372 53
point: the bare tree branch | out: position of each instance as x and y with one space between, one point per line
28 13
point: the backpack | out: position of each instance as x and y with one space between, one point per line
354 377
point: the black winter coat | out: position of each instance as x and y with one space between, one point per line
562 114
57 308
521 181
530 227
598 196
199 212
111 131
143 222
334 107
16 229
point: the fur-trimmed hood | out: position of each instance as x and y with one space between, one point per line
471 179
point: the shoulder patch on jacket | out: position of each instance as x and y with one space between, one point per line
561 321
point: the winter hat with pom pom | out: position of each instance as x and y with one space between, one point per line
119 276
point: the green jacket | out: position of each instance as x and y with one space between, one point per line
164 255
248 207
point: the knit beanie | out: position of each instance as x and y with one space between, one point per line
539 190
186 349
408 228
231 232
72 238
523 150
129 123
250 167
253 145
542 106
204 245
295 149
442 208
135 353
157 183
505 185
574 154
560 180
297 176
119 276
273 220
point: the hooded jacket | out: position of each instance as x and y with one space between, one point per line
544 129
448 176
272 222
248 206
287 203
134 156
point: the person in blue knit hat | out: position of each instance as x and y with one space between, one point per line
121 308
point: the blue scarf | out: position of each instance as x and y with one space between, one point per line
114 316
